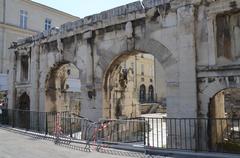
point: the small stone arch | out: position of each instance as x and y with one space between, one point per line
23 112
210 90
57 87
214 107
24 102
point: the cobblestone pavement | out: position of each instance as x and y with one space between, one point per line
18 145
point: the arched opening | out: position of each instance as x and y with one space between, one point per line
63 89
24 102
23 113
150 94
224 114
128 86
142 93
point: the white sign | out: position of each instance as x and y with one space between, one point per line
3 82
74 85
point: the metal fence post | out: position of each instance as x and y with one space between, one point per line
46 123
27 113
148 131
144 135
38 121
1 117
13 118
70 127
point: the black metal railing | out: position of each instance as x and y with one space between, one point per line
71 125
195 134
22 119
41 122
189 134
76 128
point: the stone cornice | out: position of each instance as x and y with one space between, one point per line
218 68
18 29
224 6
118 15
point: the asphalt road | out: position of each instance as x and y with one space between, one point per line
19 145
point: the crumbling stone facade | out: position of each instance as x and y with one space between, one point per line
195 41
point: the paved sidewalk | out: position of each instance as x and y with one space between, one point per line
17 145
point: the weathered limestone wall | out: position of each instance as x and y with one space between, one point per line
217 65
34 98
166 30
160 83
217 54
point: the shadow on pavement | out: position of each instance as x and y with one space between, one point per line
122 153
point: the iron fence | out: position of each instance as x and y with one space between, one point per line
189 134
194 134
22 119
76 128
122 131
41 122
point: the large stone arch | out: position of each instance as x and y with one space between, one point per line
158 50
146 46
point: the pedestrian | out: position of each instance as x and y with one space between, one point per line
1 113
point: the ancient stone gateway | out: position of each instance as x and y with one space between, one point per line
195 42
96 43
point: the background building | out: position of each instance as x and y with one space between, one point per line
142 66
132 86
148 85
22 18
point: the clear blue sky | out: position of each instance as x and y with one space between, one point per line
82 8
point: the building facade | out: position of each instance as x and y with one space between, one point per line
132 84
142 66
23 18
